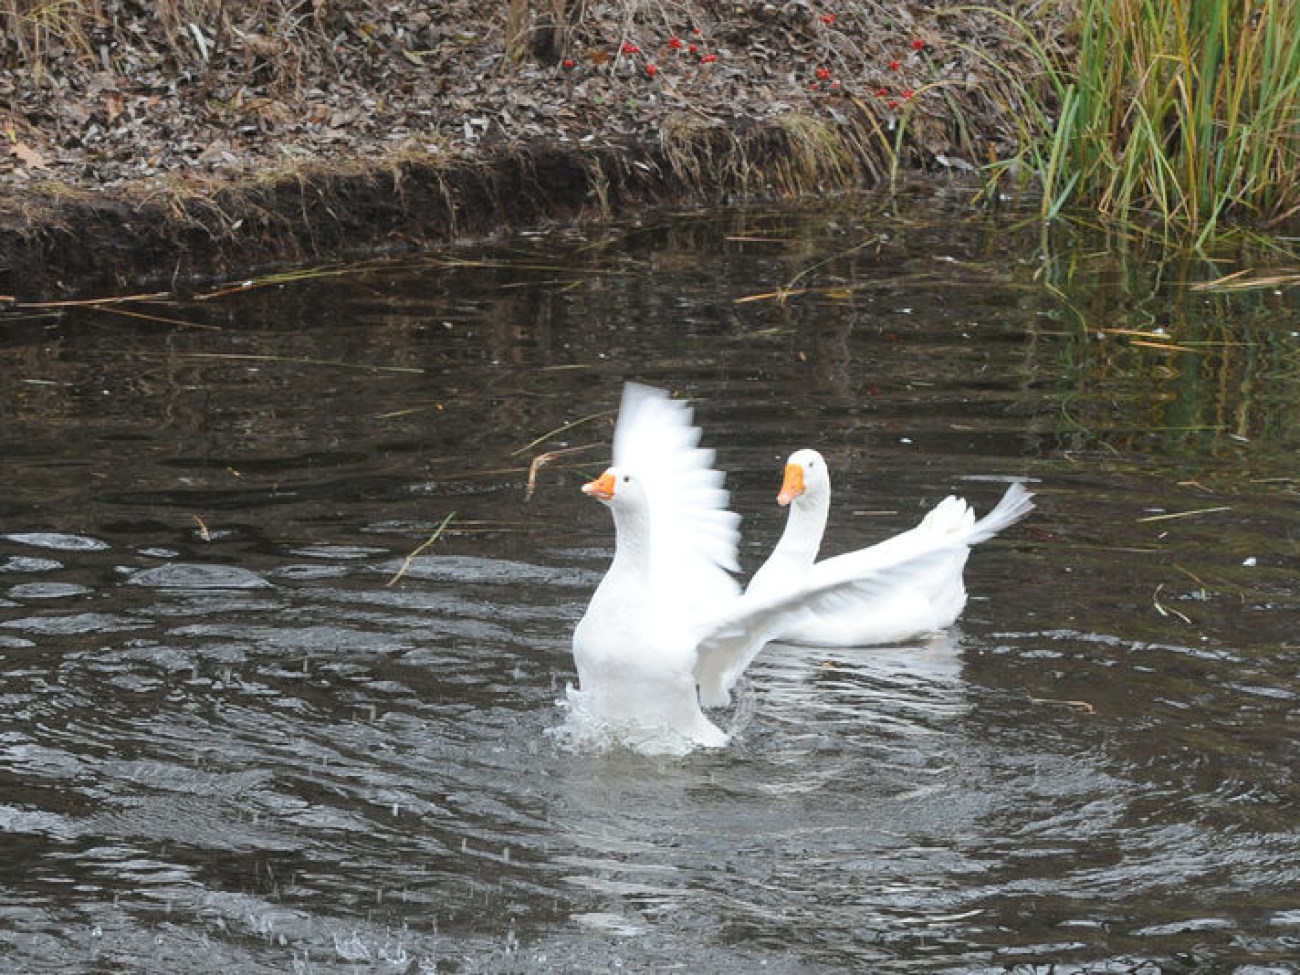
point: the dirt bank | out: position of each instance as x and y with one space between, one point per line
153 145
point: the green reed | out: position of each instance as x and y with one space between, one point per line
1184 110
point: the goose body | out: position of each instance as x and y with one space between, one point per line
668 631
635 648
918 603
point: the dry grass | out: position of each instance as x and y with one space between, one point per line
38 28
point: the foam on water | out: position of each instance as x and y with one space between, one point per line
584 732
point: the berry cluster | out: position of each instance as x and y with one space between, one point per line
674 47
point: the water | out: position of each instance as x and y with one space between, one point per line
228 743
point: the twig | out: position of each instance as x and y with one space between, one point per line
93 302
558 430
780 296
541 460
1185 514
427 542
292 361
114 310
1165 610
203 529
1227 280
1081 705
1241 281
1161 346
1193 576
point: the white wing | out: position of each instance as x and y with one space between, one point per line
732 639
690 521
951 523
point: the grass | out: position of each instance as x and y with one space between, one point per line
1182 111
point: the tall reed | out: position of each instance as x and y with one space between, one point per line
1188 110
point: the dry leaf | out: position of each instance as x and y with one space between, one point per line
114 105
28 156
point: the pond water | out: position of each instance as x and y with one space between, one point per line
231 742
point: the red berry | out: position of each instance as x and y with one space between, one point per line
891 104
907 93
630 48
675 43
823 73
828 19
895 65
651 70
694 49
708 59
569 64
918 45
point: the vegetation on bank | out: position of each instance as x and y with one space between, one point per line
1187 111
1181 112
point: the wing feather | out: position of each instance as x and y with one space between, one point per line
733 638
690 520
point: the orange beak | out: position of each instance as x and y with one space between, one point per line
602 488
792 486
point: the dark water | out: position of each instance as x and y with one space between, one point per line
227 745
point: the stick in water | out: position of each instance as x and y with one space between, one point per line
427 542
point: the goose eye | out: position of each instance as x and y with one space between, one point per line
627 478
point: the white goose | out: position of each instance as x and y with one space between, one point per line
917 604
667 632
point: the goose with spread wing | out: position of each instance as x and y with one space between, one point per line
667 632
917 603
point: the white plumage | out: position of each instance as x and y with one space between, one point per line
667 631
916 602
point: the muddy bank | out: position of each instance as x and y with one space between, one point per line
152 146
106 243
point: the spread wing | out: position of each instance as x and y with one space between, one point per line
690 520
951 524
733 638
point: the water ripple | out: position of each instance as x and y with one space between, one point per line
241 732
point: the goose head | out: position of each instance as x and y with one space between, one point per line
806 479
617 488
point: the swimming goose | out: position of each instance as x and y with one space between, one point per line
667 632
916 605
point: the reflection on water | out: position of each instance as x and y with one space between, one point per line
230 741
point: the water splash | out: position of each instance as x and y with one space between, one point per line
583 732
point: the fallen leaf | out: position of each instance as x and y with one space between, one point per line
28 156
114 105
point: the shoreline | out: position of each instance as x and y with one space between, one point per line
411 132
